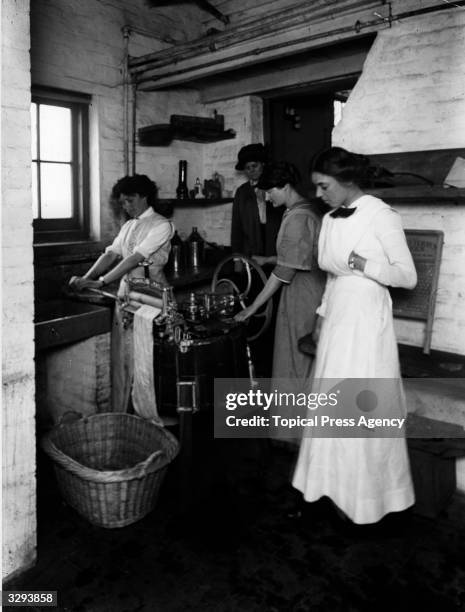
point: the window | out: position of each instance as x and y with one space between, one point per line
340 99
60 165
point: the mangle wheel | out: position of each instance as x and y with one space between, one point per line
264 314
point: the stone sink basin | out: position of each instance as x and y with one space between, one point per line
60 322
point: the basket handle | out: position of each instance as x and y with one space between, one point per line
143 466
67 418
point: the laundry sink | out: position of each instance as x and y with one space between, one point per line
60 322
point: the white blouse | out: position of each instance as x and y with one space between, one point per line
374 232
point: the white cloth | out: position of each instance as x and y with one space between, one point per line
261 201
143 389
366 477
150 235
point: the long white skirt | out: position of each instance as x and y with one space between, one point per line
365 477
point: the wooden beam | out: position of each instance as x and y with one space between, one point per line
206 6
320 66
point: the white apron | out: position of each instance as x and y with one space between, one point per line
366 477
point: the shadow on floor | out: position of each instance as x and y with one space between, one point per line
235 549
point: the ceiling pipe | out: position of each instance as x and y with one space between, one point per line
356 28
266 25
126 81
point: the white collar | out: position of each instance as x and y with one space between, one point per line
148 212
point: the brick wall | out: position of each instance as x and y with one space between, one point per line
18 410
60 376
411 97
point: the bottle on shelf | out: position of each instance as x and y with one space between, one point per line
197 188
195 250
182 193
219 180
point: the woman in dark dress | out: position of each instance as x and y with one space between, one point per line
296 271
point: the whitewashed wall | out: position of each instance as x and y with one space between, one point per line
244 115
162 163
411 97
18 409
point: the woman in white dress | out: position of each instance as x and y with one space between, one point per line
363 249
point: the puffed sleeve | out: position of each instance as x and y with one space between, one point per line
297 240
399 269
157 236
117 245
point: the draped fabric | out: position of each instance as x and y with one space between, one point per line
150 236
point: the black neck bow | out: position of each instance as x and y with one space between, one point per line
342 213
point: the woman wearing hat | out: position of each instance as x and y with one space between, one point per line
255 223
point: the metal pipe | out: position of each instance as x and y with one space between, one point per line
263 25
357 27
126 34
150 34
134 115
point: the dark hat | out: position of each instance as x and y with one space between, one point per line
251 152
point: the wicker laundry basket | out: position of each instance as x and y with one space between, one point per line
110 466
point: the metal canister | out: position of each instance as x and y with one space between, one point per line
195 246
176 261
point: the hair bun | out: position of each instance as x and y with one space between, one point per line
278 174
343 165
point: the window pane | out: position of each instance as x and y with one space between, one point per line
34 130
338 108
55 133
35 204
56 191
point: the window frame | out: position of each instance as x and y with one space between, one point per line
76 227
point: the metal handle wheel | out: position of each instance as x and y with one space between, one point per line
254 276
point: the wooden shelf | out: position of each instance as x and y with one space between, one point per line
421 195
197 202
163 134
417 196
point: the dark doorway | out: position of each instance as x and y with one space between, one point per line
299 126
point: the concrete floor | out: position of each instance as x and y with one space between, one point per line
235 549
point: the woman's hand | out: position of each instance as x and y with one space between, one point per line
356 262
78 283
75 283
245 314
262 260
317 329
